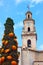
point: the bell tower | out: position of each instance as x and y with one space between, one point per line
29 36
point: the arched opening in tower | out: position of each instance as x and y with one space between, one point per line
28 29
29 43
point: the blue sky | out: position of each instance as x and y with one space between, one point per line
16 10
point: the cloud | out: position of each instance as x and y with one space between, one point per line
18 25
32 3
36 1
18 1
1 3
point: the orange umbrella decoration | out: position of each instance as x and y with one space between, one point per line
14 47
3 41
13 63
7 50
9 57
2 50
2 59
6 42
11 34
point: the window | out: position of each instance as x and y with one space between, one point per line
29 43
28 16
28 29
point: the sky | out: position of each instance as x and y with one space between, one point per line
16 10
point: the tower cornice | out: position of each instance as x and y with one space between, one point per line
31 34
29 20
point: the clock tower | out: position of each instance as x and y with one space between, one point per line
29 36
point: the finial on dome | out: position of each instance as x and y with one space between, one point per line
28 13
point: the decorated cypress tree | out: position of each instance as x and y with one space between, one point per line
9 53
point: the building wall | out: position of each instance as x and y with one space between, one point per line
38 63
29 56
39 56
